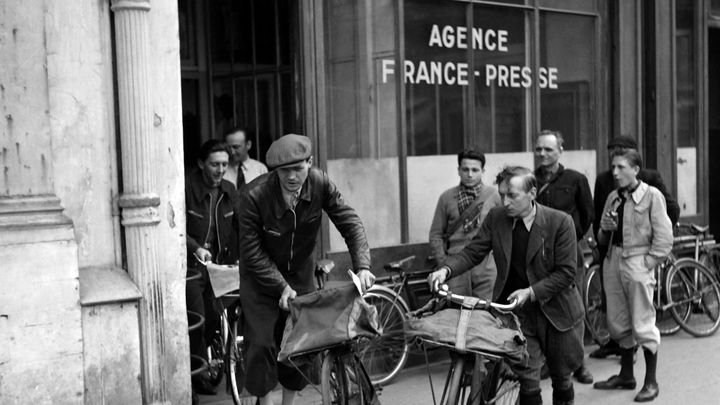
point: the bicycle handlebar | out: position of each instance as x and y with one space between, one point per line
444 292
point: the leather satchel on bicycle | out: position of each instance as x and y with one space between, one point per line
325 318
488 331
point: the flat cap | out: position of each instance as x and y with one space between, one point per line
623 141
287 150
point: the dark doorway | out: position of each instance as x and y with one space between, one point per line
239 63
714 126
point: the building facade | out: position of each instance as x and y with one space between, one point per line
105 105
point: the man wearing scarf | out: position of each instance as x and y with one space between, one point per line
460 211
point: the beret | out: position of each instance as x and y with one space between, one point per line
622 141
287 150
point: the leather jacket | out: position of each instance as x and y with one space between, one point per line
568 191
197 205
277 243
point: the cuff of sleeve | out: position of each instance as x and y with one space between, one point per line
449 272
282 287
532 295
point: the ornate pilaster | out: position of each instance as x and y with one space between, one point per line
139 200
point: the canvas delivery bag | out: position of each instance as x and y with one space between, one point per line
325 318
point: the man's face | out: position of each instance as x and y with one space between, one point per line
517 201
623 172
292 177
547 150
239 146
470 172
214 167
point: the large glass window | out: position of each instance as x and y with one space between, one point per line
461 73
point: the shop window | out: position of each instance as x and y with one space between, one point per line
566 104
472 73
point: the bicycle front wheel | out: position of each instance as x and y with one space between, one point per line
694 290
384 356
235 368
595 316
502 386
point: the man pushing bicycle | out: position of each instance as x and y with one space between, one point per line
535 251
279 217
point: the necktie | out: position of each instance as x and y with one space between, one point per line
240 177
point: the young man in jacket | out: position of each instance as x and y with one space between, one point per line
535 251
209 202
638 232
279 220
604 184
460 211
569 191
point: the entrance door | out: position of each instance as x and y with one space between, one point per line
238 61
714 126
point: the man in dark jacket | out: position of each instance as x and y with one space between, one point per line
535 252
604 185
279 220
211 236
569 191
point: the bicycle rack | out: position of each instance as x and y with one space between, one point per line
198 321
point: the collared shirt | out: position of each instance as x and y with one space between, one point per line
251 169
528 219
291 199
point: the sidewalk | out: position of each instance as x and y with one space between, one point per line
688 373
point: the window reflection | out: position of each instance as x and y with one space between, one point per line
568 44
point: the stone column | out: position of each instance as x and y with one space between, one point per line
139 200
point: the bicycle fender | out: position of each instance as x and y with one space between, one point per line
381 289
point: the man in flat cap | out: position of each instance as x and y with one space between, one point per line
604 185
279 220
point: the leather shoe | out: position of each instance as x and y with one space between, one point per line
648 393
583 376
203 387
616 382
604 351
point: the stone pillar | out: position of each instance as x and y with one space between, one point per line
139 200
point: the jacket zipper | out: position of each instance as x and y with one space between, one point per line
217 224
292 238
207 234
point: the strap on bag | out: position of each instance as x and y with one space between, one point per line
476 205
463 320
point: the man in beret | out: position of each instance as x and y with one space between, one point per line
278 222
604 185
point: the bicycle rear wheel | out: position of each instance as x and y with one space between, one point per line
384 356
699 295
595 316
235 367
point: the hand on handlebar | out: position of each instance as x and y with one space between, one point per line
522 296
367 279
287 294
437 277
203 255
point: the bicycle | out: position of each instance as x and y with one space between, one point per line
475 377
687 296
343 378
385 356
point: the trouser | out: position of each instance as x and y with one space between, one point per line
199 298
263 326
563 351
629 286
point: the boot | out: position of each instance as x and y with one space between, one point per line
625 380
531 399
611 348
564 397
650 389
